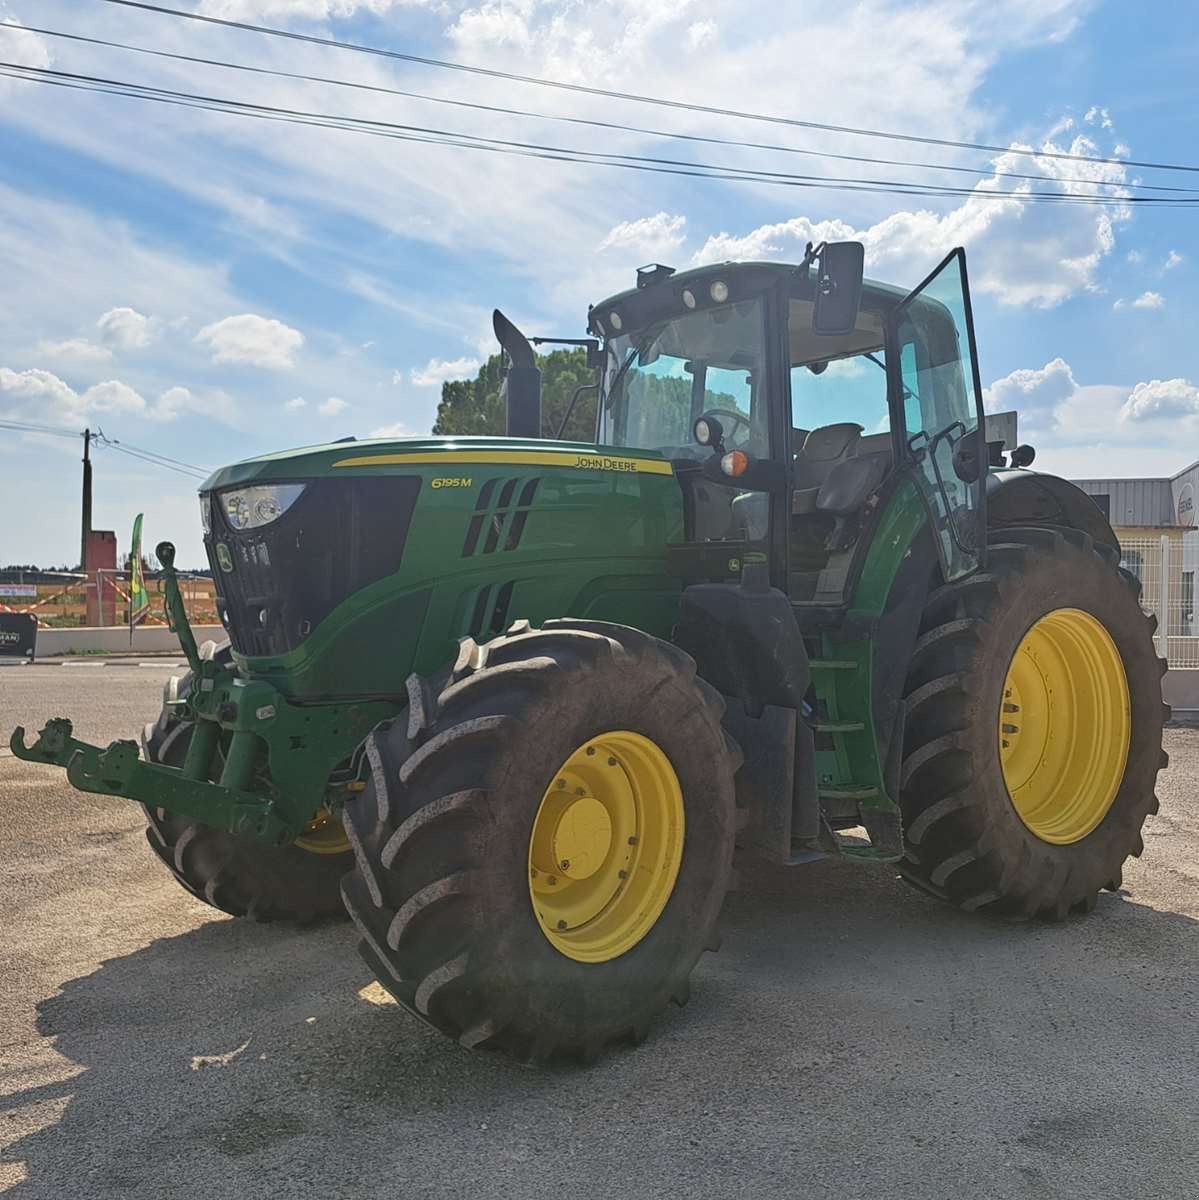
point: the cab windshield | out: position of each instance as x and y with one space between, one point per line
658 380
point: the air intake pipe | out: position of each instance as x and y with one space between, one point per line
521 390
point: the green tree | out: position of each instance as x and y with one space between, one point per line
474 406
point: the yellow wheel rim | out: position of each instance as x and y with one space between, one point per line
1064 726
323 835
606 845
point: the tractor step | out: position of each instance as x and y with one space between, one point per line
832 664
847 793
839 726
885 845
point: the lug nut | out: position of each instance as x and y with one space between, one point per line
561 924
632 841
623 874
561 783
611 761
590 749
566 864
552 880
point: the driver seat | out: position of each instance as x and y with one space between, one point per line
822 451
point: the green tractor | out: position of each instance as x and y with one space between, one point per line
512 702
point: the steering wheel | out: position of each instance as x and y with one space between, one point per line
737 418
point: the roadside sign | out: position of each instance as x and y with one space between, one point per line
18 634
25 591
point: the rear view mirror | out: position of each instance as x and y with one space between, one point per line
839 268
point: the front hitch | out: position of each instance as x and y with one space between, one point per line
120 771
176 613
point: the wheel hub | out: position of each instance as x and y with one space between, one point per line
605 847
582 838
1064 726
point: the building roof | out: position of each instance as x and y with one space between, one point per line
1165 502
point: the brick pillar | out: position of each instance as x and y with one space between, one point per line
100 554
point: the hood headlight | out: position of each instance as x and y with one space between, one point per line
206 513
252 507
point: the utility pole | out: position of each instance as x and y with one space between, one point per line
87 499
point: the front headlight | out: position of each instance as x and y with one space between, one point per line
252 507
206 513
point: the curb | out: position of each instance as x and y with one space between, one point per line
86 662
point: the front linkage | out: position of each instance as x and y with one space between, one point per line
279 762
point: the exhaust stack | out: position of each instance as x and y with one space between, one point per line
522 380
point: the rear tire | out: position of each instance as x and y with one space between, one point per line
966 841
441 892
242 876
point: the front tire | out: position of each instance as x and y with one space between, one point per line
242 876
460 917
1033 732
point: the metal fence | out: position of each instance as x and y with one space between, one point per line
66 601
1166 567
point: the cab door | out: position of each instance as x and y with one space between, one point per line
936 406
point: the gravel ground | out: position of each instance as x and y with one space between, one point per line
853 1038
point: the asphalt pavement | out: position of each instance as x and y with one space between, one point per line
853 1038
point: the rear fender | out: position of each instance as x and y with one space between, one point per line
1023 498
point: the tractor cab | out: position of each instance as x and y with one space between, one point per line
792 401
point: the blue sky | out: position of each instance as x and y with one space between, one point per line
212 287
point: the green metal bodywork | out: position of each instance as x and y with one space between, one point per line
275 736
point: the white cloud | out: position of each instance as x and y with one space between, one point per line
1035 394
396 429
1098 116
295 404
19 45
436 371
1060 251
75 351
315 10
647 237
1173 259
125 329
1161 398
171 403
253 340
1135 256
397 378
700 34
332 406
41 395
1144 300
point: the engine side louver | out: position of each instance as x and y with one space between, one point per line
488 615
498 522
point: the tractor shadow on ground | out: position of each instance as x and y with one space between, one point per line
247 1060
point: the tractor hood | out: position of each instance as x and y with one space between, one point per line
339 568
387 455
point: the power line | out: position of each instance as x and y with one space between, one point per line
585 89
29 427
121 449
153 457
149 456
460 140
616 126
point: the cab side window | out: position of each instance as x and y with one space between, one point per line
846 389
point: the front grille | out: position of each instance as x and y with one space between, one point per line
280 581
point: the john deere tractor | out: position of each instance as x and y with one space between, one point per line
512 702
